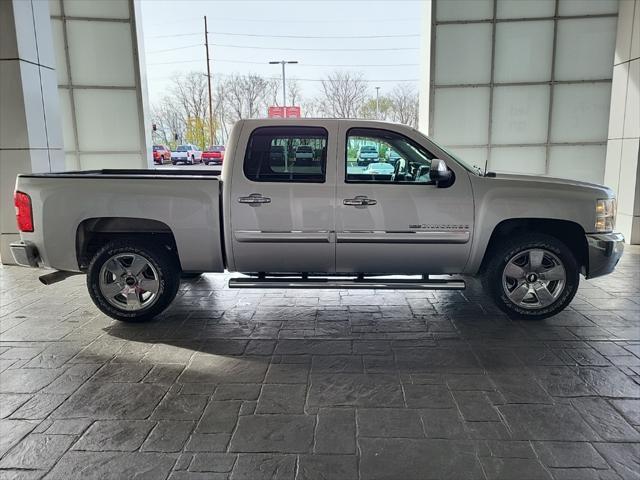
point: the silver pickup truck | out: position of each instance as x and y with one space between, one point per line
329 223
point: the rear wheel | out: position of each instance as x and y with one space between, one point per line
533 276
133 282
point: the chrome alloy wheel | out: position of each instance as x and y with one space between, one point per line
129 281
534 278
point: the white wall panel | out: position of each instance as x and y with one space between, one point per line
578 162
632 109
527 160
464 10
107 120
580 112
525 8
463 54
113 66
97 8
587 7
618 99
523 51
57 31
520 114
472 156
461 116
68 133
585 48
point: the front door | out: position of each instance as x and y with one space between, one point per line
282 200
390 217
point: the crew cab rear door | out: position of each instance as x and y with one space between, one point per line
283 209
397 220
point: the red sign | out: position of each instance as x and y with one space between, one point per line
284 112
276 112
293 112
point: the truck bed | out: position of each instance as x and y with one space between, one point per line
66 206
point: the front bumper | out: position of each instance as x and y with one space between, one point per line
605 250
25 253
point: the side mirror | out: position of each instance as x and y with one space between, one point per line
439 173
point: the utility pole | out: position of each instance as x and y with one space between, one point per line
206 43
377 103
284 82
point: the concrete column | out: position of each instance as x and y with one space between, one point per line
30 131
622 170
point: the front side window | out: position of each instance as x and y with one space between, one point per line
382 156
286 154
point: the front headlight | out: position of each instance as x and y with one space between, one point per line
605 214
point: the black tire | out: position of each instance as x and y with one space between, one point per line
508 249
165 264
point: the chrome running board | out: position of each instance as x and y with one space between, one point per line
354 283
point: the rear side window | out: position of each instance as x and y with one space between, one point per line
271 155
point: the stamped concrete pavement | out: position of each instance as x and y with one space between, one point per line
319 385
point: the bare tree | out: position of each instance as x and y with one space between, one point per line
343 94
368 109
188 95
294 92
247 95
190 90
404 104
169 118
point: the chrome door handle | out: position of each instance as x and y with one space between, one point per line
359 201
254 200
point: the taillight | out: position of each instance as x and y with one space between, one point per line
24 214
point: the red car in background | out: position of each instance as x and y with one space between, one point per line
161 154
213 155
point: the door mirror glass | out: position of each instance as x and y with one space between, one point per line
439 173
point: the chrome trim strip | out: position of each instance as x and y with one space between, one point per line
417 237
325 283
258 236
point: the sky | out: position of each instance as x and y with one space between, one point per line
380 38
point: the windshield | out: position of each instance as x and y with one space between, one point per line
183 148
215 148
368 149
157 147
304 148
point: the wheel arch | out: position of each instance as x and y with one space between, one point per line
93 233
570 233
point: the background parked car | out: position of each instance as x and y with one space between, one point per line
161 154
392 156
213 155
187 153
304 155
379 168
366 155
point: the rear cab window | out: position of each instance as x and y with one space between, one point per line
286 154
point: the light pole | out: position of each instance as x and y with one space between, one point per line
377 103
284 84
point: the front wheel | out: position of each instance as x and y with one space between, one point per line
533 276
133 282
